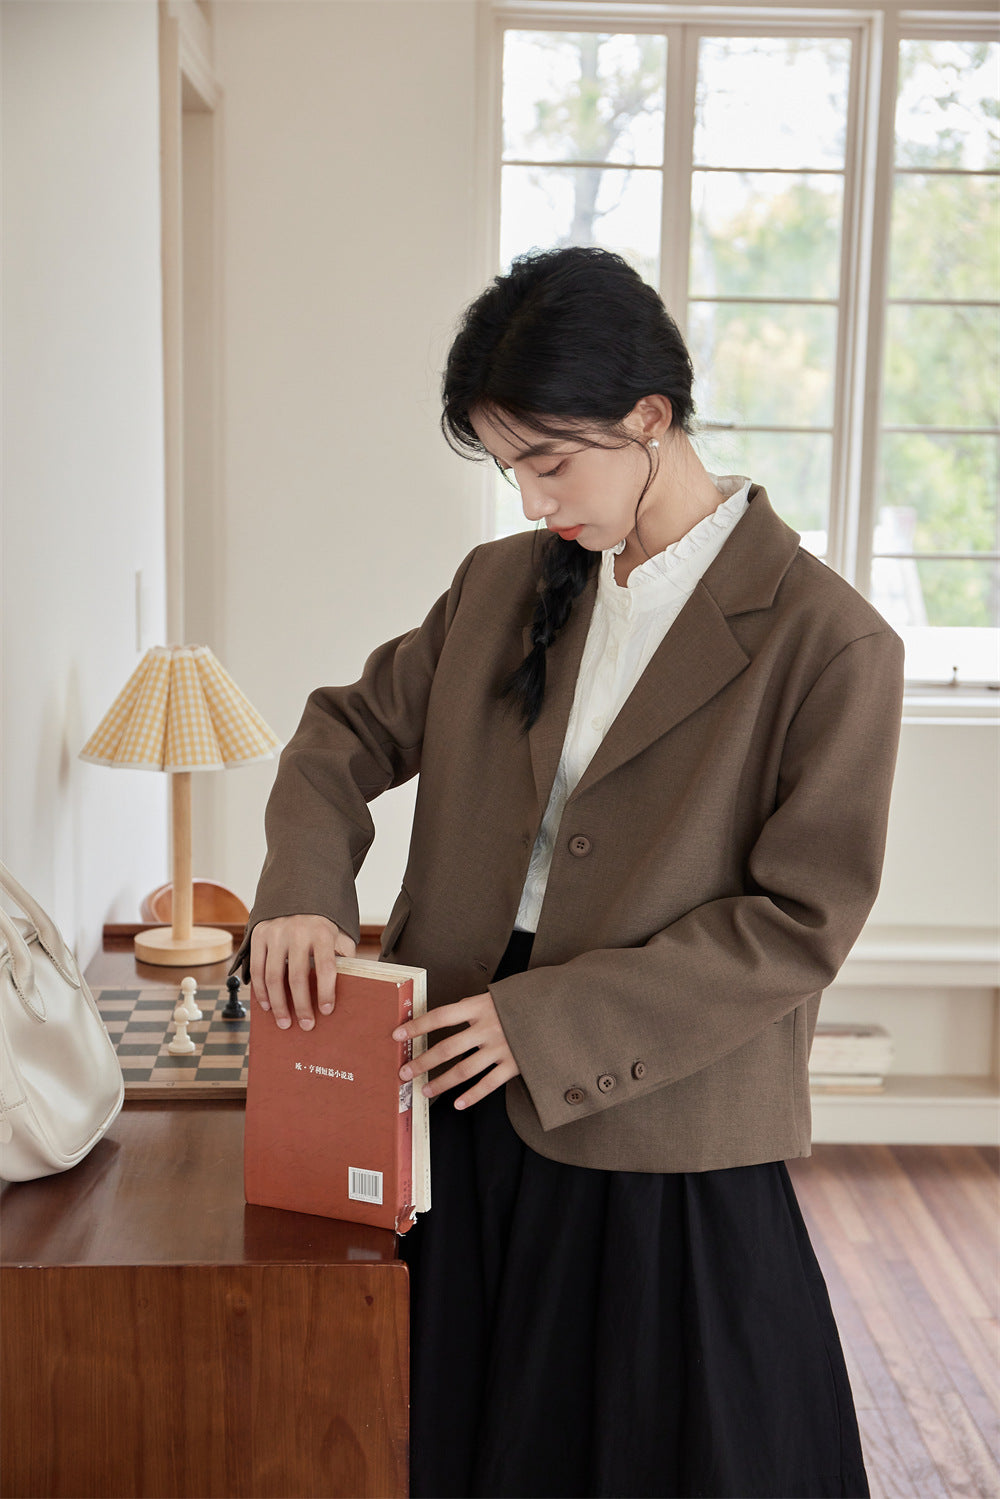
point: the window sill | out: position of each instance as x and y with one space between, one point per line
951 705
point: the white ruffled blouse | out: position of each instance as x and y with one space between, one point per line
627 626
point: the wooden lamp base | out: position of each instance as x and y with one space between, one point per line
182 945
206 944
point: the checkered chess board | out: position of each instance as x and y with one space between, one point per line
140 1023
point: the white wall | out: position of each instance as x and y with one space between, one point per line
348 201
83 447
943 854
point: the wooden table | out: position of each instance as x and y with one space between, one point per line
162 1338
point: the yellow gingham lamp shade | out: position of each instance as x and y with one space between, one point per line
180 710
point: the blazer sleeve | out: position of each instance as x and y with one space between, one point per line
351 744
725 970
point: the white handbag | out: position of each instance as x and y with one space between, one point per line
61 1082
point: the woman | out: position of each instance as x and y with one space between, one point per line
655 752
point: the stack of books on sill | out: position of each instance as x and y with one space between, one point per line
848 1058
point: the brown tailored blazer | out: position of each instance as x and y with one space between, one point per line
712 870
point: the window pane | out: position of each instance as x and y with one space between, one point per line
550 206
794 468
946 109
949 485
946 237
771 101
763 365
942 367
571 96
936 593
758 233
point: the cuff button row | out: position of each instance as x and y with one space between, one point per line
605 1083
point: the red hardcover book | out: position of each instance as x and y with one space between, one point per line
330 1129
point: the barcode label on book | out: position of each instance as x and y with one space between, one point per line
364 1186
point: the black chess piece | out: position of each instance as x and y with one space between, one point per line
234 1009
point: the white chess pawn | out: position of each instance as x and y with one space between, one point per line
187 1004
181 1045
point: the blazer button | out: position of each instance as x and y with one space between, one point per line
580 846
573 1095
605 1082
638 1069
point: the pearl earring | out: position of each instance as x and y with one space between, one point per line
653 443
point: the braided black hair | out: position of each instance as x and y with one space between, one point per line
574 334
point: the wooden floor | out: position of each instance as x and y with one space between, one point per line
907 1236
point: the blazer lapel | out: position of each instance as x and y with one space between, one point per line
699 654
695 660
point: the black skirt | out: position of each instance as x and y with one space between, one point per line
578 1332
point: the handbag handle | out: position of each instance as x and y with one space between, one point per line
22 970
49 938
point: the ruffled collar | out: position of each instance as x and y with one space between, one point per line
677 561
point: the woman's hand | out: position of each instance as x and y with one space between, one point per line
484 1032
296 946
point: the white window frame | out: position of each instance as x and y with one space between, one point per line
875 33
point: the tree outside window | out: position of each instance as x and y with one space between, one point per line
585 120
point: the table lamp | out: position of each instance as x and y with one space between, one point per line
180 711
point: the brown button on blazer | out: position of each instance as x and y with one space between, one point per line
715 864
